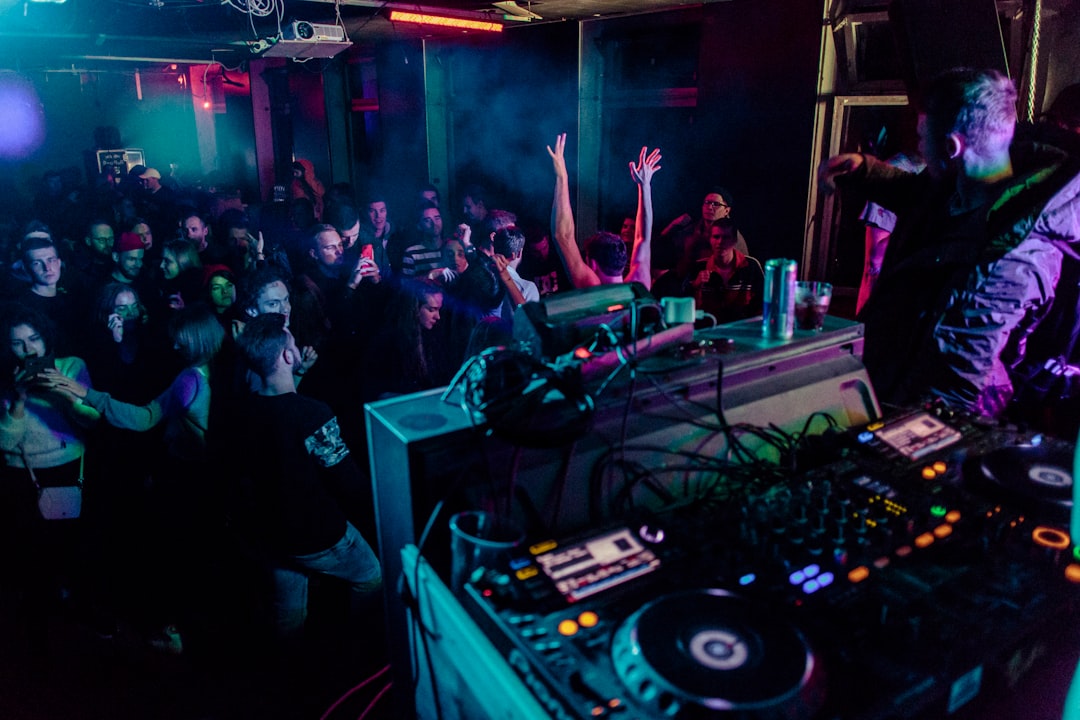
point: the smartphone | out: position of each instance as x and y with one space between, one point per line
36 365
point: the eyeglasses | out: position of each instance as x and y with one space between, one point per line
715 204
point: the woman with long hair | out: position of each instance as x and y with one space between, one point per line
408 354
181 268
43 440
119 349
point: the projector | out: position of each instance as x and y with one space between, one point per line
301 40
313 32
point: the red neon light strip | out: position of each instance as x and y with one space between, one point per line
421 19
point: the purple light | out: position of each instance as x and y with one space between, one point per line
22 121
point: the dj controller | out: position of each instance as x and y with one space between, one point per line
923 569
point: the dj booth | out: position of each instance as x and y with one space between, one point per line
741 532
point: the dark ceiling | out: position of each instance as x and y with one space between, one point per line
36 33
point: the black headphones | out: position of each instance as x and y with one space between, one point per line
524 401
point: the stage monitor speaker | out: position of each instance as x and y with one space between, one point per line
934 36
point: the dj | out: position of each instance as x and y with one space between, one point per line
972 264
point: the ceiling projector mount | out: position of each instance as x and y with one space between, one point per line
302 40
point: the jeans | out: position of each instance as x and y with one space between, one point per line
350 559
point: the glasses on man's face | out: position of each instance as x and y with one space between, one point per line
715 204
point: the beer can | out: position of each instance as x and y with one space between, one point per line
778 306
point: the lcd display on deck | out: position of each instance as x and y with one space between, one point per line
918 435
590 566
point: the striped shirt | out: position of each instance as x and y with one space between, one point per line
419 260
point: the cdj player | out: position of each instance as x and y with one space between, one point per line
920 574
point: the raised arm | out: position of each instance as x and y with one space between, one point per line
641 255
502 264
562 221
838 166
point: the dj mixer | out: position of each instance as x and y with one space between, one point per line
919 573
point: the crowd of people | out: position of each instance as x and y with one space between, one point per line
199 368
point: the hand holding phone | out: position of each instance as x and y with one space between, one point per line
36 365
31 375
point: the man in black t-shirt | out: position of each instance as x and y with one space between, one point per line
48 294
304 485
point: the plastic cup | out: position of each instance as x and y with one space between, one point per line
479 539
811 304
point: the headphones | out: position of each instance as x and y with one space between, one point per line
526 402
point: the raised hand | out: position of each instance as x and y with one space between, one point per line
365 269
501 263
558 155
308 356
647 165
836 166
464 234
116 326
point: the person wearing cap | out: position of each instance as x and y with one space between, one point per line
127 257
151 180
220 284
157 203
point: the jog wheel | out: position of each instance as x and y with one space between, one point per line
708 653
1035 477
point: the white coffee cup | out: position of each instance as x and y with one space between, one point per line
678 310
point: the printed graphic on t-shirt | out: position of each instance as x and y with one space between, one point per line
326 444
